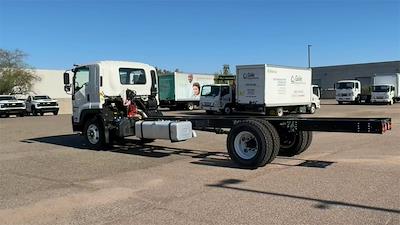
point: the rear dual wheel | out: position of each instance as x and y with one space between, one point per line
253 143
294 143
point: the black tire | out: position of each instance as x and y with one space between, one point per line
21 114
275 139
190 106
279 111
55 113
34 112
88 128
262 138
340 103
294 143
41 113
309 141
227 110
313 108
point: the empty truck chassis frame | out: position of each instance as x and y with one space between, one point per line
287 136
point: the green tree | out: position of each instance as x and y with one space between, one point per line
16 76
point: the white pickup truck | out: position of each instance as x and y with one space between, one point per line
40 104
9 105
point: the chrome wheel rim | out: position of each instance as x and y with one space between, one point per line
93 134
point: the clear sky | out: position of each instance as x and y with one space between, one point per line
200 36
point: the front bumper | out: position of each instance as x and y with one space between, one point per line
12 111
47 108
377 100
345 99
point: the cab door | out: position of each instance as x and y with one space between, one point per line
81 91
226 96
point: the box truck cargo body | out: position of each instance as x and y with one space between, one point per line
265 88
182 90
271 86
385 89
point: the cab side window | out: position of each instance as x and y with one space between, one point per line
356 85
132 76
81 78
224 91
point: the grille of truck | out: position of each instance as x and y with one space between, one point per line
47 104
12 105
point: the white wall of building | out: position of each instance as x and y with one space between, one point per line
51 84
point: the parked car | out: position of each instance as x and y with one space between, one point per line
9 105
41 104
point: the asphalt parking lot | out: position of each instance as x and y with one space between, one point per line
47 176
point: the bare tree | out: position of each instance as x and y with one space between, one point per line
16 76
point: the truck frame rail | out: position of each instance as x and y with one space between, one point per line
323 124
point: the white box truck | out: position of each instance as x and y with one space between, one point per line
182 90
385 89
264 88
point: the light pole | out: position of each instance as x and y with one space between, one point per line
309 55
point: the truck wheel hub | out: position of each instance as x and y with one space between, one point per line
93 134
246 145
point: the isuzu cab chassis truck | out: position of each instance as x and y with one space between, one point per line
112 100
385 89
352 91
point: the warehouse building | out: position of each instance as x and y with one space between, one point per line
326 76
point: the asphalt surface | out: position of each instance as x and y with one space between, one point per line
47 176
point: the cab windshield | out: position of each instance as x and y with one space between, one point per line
208 90
380 88
40 97
345 85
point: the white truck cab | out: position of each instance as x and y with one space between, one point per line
383 94
40 104
9 105
385 88
217 98
348 91
96 86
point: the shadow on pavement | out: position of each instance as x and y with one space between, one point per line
320 203
134 147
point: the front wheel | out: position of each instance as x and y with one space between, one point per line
94 134
55 113
34 112
312 109
227 110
